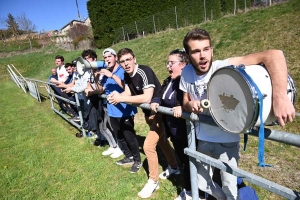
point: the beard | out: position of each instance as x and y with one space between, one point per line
199 71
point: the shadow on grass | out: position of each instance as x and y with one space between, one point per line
44 97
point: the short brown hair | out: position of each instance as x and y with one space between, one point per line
125 51
60 57
195 34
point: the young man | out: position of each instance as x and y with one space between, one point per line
121 115
61 70
54 79
95 112
69 82
141 86
212 140
80 84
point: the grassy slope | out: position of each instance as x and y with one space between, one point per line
41 158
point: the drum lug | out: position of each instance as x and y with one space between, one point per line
242 66
255 128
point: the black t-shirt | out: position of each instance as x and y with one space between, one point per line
143 78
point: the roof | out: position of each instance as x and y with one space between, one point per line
74 20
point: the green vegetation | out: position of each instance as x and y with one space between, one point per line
42 159
19 45
135 17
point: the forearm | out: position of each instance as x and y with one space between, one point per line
118 81
277 68
187 107
99 89
137 99
275 63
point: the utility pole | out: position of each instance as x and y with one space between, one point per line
78 11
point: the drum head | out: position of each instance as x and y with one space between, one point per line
232 103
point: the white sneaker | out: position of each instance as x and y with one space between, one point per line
168 172
185 195
148 189
109 151
117 153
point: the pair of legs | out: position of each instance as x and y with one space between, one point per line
61 103
103 126
157 136
225 152
71 107
123 128
179 145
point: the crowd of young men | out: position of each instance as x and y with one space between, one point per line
126 82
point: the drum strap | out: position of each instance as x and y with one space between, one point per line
261 133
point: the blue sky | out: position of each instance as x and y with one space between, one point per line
45 14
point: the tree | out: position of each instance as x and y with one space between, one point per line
12 25
79 32
27 26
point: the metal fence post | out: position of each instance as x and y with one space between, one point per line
204 4
234 7
123 33
80 113
38 92
51 97
154 25
137 32
193 163
176 19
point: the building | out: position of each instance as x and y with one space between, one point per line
64 29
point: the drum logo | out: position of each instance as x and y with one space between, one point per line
229 102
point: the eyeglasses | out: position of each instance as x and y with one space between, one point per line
171 63
126 60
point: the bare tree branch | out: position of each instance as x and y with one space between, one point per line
26 25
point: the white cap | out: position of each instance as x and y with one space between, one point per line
109 50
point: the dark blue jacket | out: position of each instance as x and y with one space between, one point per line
174 126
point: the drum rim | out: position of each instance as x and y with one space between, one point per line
240 70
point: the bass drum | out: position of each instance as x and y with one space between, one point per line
234 100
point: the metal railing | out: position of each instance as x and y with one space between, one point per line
278 136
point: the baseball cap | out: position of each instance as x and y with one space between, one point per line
74 61
109 50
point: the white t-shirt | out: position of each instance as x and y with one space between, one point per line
62 73
196 87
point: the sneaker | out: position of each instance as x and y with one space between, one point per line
186 195
125 161
79 135
108 151
76 119
168 172
90 134
135 167
98 142
117 153
148 189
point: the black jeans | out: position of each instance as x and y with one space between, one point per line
124 129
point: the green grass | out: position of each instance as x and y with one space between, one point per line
20 45
42 159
